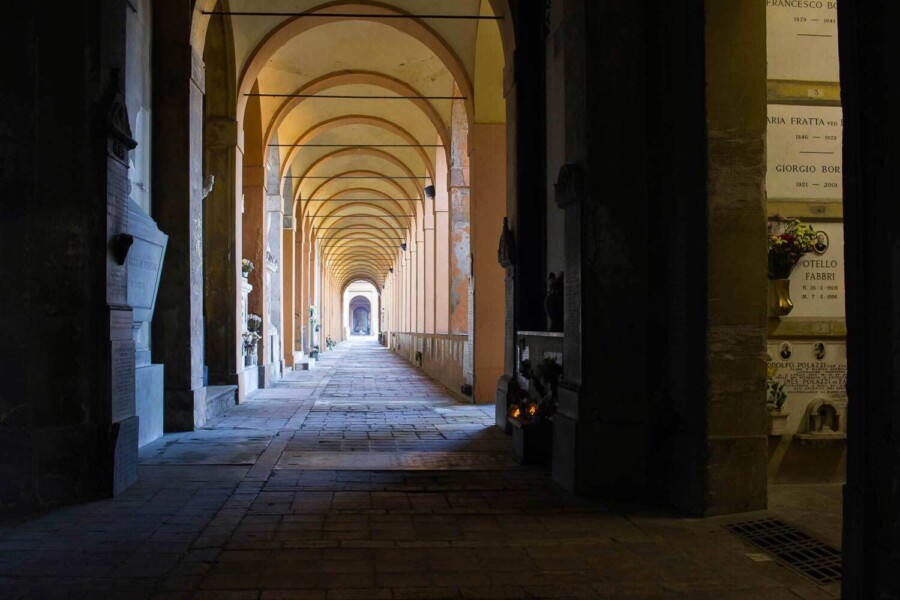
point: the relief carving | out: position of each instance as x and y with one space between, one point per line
121 140
506 252
570 185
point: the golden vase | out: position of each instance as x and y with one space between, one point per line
780 297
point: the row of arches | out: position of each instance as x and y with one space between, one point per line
338 136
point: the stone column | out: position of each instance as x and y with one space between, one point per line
273 253
429 257
253 232
289 286
735 441
315 291
222 259
509 269
525 279
488 172
177 182
421 289
441 253
410 260
299 301
308 283
528 217
600 429
459 220
67 425
663 379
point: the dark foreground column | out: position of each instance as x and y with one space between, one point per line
870 66
177 183
68 429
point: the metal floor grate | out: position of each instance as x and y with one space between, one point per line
792 548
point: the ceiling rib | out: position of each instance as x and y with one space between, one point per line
356 177
356 145
232 13
352 97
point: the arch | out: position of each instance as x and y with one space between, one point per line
405 201
384 214
337 177
295 26
363 233
490 101
376 218
370 78
349 277
374 250
367 251
366 254
370 121
337 197
200 23
506 26
401 204
358 307
347 284
387 157
383 246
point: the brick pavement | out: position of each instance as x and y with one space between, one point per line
225 513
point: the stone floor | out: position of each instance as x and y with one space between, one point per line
363 479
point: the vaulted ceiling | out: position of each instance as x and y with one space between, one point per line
358 105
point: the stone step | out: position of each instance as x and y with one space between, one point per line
305 364
220 398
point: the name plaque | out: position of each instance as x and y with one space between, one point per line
145 262
811 371
802 40
805 155
817 283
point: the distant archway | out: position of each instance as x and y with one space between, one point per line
360 316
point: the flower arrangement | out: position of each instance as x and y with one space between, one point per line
254 323
539 402
776 394
246 266
250 339
789 240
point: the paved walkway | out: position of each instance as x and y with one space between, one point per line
363 479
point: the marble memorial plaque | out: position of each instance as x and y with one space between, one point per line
805 157
817 283
122 380
145 262
811 370
802 40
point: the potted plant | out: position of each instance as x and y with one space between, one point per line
254 323
250 339
314 353
246 267
788 241
776 397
